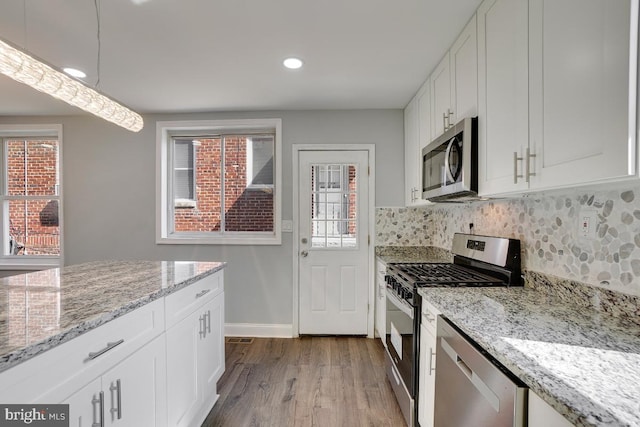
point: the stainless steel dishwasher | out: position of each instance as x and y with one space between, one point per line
472 389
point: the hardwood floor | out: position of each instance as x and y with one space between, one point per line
308 381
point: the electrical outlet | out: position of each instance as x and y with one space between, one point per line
587 223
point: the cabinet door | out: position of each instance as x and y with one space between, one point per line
580 79
441 97
541 414
182 370
503 116
86 405
411 139
381 300
135 391
427 377
211 350
463 58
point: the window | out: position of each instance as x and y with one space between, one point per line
218 182
30 196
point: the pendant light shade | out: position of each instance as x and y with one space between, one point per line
26 69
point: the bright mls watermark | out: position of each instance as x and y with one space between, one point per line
34 415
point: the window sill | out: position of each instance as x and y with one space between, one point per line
227 240
29 264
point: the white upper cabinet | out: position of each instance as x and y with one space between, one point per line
582 126
417 134
557 93
463 58
503 103
441 112
454 82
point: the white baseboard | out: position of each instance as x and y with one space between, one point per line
258 330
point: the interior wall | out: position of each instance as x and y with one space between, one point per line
109 197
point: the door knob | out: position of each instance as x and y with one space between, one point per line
304 254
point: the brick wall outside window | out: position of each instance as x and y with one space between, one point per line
33 224
246 209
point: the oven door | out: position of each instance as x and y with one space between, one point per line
401 339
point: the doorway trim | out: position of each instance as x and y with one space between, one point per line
371 150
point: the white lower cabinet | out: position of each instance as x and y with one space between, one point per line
195 362
381 300
427 365
541 414
130 394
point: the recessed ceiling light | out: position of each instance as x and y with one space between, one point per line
75 73
292 63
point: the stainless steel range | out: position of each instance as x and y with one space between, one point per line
478 261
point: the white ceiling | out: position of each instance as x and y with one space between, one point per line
212 55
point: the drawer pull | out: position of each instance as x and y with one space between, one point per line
202 293
110 346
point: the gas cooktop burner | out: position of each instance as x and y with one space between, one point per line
441 274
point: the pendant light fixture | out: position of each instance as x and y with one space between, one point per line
25 68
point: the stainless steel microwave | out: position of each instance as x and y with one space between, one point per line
450 163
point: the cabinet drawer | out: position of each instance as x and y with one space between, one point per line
185 301
56 373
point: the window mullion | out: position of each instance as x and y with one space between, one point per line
223 169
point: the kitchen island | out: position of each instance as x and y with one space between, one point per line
146 336
583 363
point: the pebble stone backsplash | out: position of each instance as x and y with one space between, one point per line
547 225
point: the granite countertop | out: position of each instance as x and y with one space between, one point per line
46 308
584 363
390 254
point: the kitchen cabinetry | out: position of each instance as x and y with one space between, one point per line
417 128
454 82
503 102
427 366
556 102
195 350
441 111
132 393
541 414
381 300
581 86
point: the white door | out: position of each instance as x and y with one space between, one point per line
333 258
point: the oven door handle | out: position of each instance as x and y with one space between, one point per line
402 306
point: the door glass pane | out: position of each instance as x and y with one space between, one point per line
333 206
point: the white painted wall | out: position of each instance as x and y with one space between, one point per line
109 198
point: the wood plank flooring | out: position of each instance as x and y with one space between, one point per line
305 382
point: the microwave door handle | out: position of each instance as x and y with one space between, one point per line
447 153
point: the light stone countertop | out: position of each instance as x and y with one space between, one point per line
43 309
584 363
426 254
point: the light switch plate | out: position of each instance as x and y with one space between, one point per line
287 226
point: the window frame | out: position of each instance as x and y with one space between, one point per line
165 132
29 262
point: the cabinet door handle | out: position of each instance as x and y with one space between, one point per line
515 167
527 165
208 317
118 409
100 401
432 355
203 293
203 331
445 126
450 117
110 346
